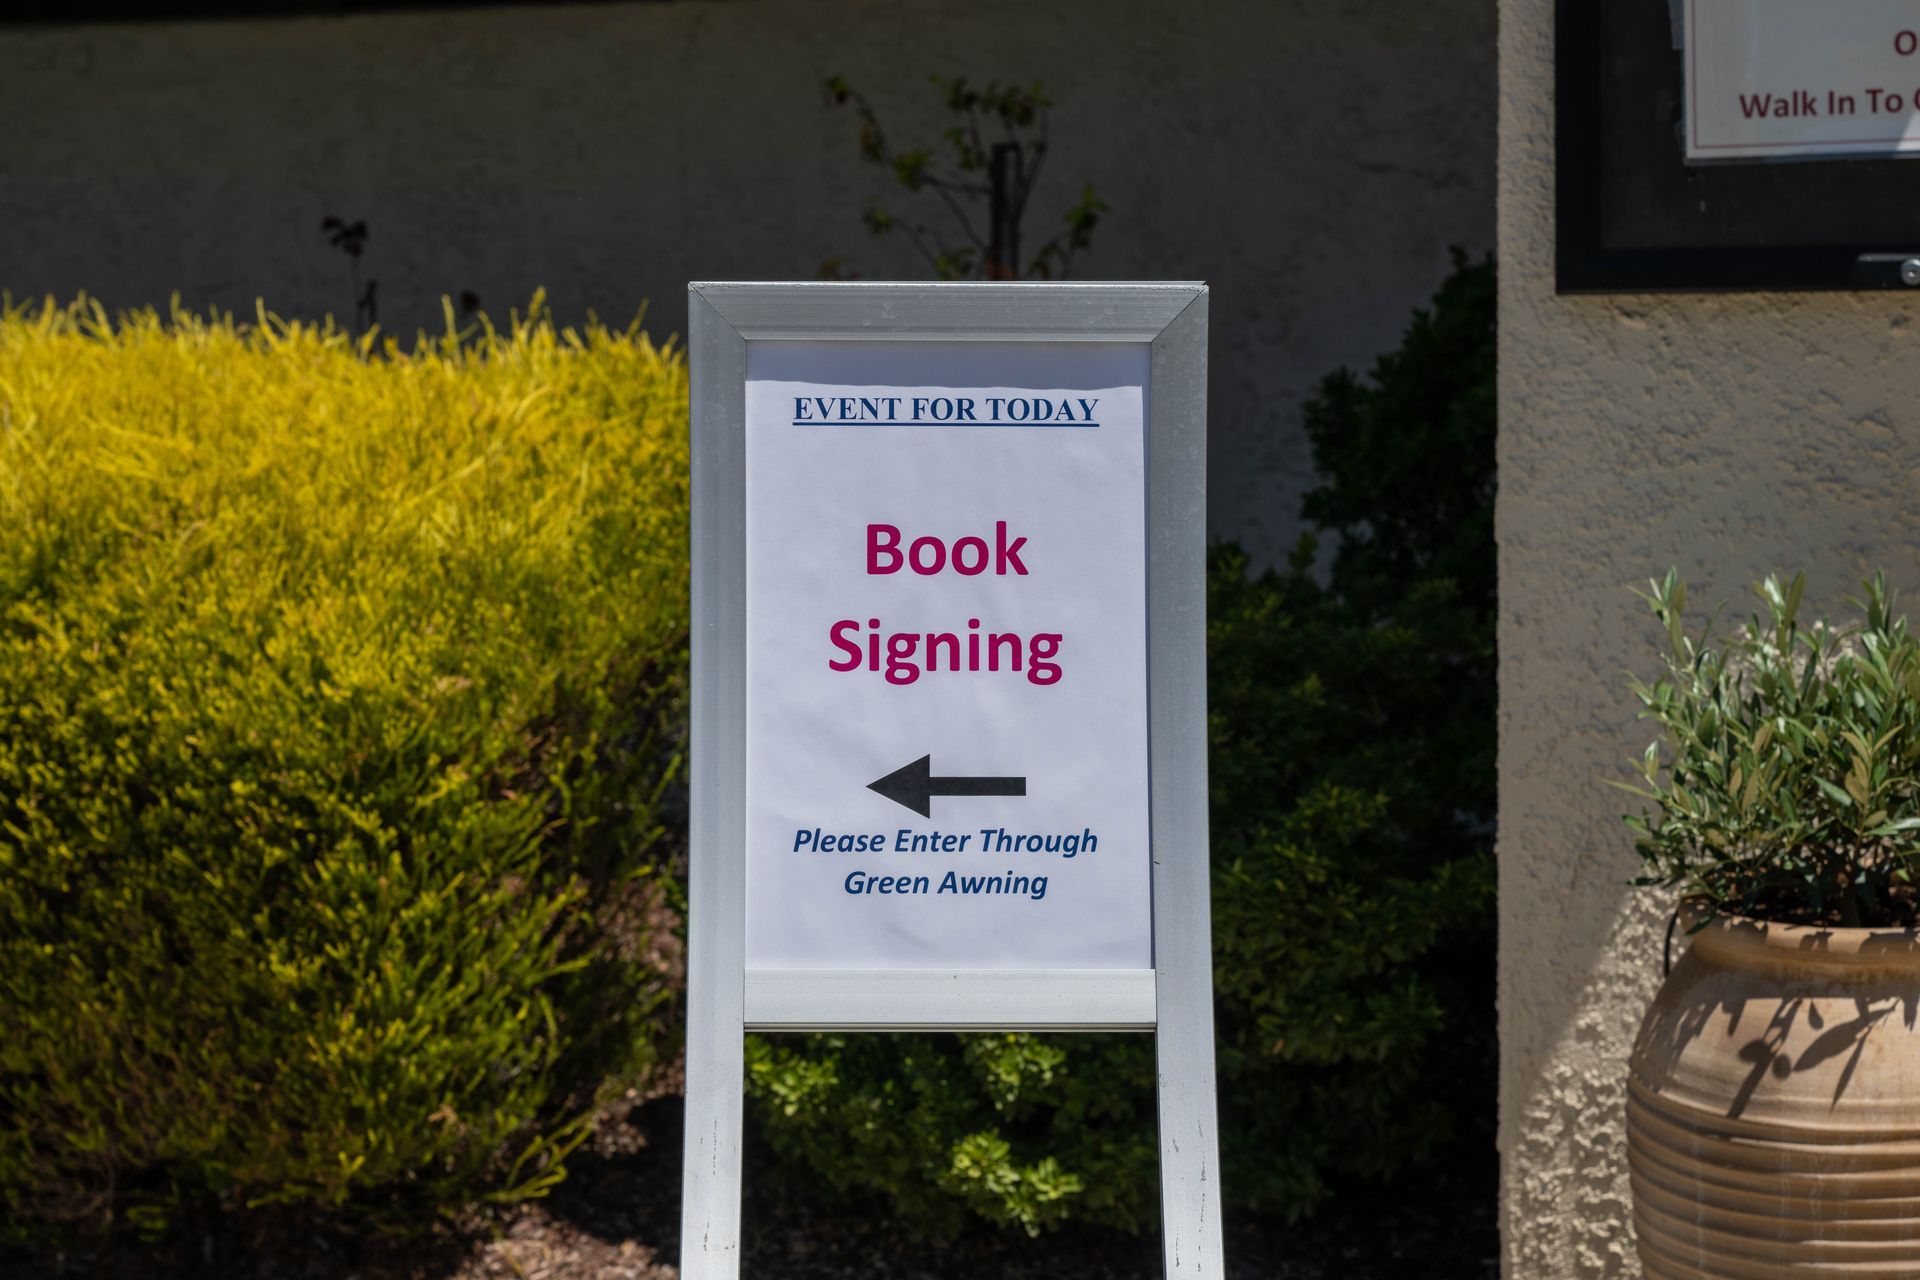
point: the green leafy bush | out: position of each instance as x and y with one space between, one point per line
1352 760
1014 1128
337 698
1790 785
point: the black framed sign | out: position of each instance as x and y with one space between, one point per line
1711 145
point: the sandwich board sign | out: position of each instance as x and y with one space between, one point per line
949 691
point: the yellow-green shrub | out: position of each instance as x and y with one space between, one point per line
337 699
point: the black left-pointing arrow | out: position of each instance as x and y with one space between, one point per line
914 785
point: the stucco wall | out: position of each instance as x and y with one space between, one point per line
1314 160
1729 436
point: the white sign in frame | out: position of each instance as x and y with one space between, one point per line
947 656
1781 79
840 432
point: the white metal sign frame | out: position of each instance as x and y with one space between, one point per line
1174 998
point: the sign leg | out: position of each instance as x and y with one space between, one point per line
1177 730
1189 1147
717 864
710 1209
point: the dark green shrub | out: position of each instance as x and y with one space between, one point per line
1354 782
1353 772
337 693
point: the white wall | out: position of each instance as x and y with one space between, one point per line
1728 435
1313 160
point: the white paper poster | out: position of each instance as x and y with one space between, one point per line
946 656
1801 78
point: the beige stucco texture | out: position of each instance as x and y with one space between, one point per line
1313 160
1727 435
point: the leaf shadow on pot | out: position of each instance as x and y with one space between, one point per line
1849 1037
1830 992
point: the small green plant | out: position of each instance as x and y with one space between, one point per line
1786 783
350 238
993 154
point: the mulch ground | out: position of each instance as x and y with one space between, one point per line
617 1217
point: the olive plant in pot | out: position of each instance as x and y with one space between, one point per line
1773 1112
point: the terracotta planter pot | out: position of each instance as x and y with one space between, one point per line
1773 1109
